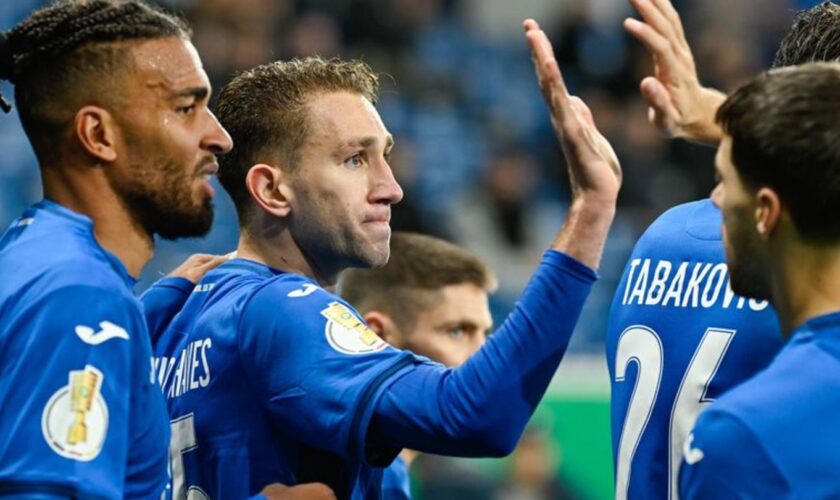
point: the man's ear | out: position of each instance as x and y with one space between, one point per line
96 131
270 188
385 327
768 212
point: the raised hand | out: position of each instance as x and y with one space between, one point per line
679 105
594 171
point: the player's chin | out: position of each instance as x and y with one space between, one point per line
192 223
377 253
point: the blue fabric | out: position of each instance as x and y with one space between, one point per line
673 298
776 435
396 483
162 301
481 408
279 380
72 331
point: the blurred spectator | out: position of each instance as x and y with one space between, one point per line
533 474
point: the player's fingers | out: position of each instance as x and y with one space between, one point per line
216 260
656 44
654 17
541 48
661 110
198 258
668 10
545 64
530 24
655 94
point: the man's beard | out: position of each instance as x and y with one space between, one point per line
161 202
172 220
747 276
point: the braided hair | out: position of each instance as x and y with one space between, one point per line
44 44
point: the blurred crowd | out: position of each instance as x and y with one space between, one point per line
475 151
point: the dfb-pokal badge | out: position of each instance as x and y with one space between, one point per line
348 334
75 420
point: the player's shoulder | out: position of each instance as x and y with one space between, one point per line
696 220
290 298
72 259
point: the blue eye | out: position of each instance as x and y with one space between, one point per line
354 161
456 332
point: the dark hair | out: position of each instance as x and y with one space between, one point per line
418 264
814 36
264 111
784 127
70 47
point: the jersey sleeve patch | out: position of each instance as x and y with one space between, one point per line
348 334
75 419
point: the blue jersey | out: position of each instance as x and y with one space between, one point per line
396 484
269 375
81 414
677 338
776 435
162 301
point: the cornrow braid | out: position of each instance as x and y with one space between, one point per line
6 65
53 32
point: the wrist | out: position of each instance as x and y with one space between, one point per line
585 231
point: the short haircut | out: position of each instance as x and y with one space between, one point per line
265 112
785 128
814 36
73 48
418 265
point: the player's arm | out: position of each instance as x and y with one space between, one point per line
66 406
482 407
593 168
165 298
678 104
723 458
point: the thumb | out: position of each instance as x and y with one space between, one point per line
659 101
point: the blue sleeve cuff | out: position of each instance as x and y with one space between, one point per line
575 267
175 282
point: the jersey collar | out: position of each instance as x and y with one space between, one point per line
83 226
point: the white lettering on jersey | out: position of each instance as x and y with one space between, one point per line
187 371
108 331
74 422
667 284
691 455
203 287
304 291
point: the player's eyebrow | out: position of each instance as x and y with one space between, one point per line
197 92
366 142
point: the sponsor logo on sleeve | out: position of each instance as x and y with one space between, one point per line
75 420
303 291
348 334
107 332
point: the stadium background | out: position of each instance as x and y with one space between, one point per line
476 156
